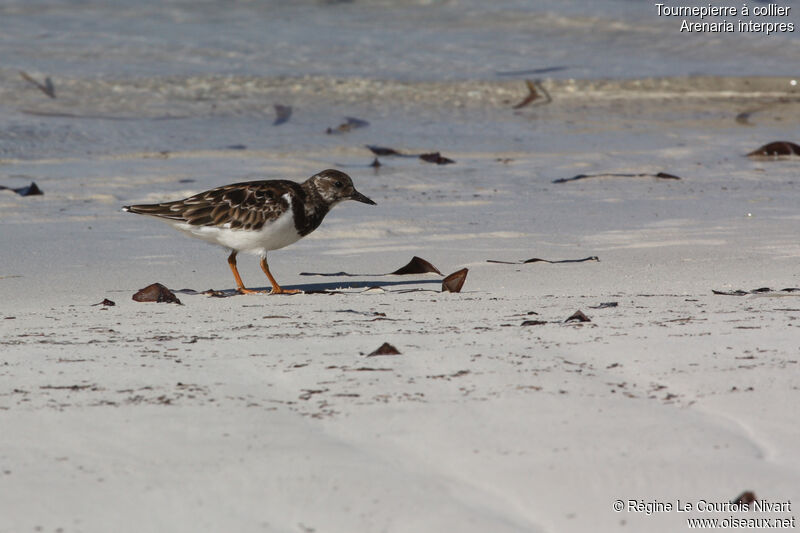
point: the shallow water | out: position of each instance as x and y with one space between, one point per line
153 76
402 40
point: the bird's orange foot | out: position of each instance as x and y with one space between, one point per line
242 290
278 290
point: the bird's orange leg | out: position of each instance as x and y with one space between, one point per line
276 289
239 284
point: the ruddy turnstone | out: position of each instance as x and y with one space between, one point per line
256 216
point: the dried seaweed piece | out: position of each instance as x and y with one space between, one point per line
760 290
212 293
776 149
156 292
29 190
454 281
436 157
745 498
282 114
46 87
417 265
385 349
105 303
382 150
578 316
604 305
308 393
533 322
659 175
534 88
731 293
539 260
351 124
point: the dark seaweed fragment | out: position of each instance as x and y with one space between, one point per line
156 292
454 281
385 349
417 265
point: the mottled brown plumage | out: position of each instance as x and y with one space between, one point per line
256 216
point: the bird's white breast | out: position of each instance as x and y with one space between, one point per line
272 235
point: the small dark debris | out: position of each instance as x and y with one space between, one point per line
156 292
745 498
429 157
533 323
730 293
660 175
308 393
46 87
578 316
417 265
105 303
382 150
351 124
604 305
436 157
29 190
330 274
454 281
282 114
760 290
66 387
237 147
212 293
776 149
539 260
385 349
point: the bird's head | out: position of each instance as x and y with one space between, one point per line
335 186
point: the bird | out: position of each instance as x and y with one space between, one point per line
256 216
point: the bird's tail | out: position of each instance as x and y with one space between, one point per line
156 210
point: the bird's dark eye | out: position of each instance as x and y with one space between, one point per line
338 185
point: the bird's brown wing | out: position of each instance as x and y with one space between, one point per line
247 205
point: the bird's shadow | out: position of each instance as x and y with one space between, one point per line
332 287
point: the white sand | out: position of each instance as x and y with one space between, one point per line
258 413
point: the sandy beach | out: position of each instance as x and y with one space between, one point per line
267 413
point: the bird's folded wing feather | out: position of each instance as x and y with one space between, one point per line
237 206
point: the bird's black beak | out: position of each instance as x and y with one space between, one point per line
358 197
